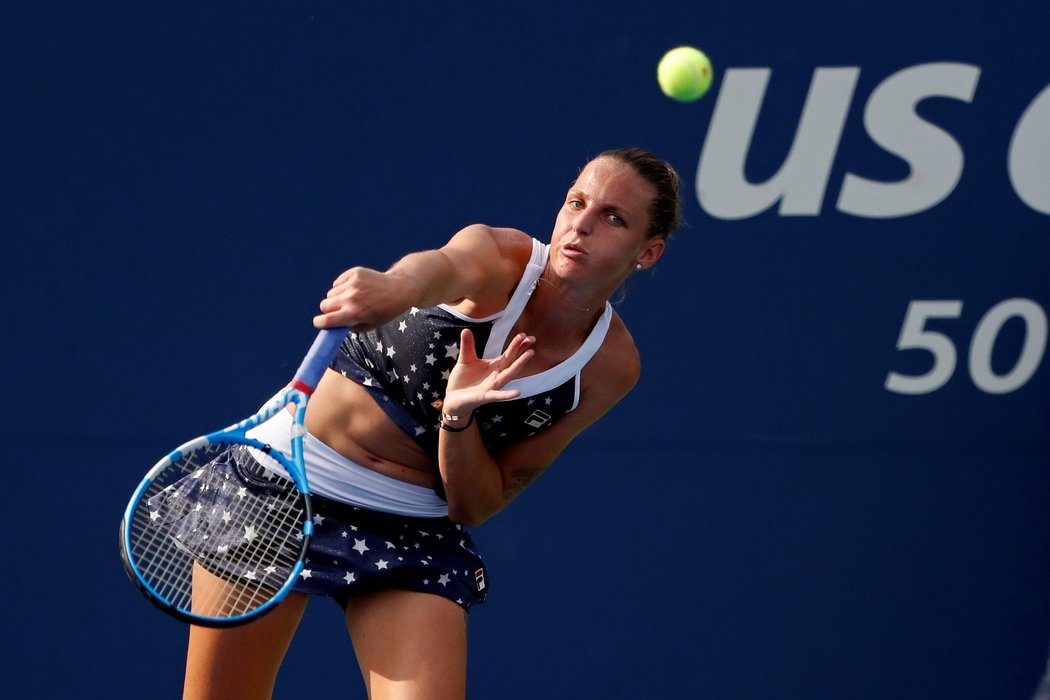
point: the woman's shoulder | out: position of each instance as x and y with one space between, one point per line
494 259
509 245
617 365
513 243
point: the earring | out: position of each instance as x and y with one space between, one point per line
637 266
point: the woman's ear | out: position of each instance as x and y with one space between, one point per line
652 252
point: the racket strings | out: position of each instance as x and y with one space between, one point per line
211 547
272 552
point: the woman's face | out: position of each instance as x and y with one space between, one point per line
600 232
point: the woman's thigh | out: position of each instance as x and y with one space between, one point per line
409 645
238 663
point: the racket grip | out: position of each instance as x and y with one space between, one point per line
320 355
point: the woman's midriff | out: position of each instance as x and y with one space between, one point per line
343 415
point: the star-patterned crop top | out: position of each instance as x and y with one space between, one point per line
405 365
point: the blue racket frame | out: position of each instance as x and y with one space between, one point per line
298 392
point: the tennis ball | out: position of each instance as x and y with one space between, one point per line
684 74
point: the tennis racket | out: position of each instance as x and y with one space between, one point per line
216 532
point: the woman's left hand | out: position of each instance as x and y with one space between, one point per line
475 382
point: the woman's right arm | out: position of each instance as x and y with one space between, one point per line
480 264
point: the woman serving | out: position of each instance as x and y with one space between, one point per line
468 370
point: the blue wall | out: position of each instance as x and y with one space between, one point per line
763 516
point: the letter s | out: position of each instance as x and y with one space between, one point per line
935 158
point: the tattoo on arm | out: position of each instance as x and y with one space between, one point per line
519 479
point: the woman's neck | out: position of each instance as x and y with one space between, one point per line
555 310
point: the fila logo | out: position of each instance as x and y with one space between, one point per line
537 419
479 577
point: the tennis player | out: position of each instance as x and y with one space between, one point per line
468 370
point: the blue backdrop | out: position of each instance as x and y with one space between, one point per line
832 480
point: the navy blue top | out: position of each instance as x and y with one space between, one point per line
405 365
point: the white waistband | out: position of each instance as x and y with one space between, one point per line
332 475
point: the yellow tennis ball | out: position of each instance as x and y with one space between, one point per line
684 74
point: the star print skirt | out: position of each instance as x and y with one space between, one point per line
353 550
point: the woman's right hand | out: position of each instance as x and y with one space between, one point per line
362 299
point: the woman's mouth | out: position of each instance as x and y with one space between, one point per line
572 250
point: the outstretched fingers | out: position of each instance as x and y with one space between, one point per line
467 350
517 354
476 381
519 344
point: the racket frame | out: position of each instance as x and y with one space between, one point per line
298 393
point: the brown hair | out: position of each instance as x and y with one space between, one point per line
665 212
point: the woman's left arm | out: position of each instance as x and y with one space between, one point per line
477 483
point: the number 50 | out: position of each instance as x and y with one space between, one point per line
914 335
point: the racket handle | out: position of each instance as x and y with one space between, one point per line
319 356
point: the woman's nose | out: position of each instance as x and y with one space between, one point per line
582 224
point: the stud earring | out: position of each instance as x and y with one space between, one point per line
637 266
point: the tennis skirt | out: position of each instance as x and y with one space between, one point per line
352 551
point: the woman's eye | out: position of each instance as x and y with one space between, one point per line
616 219
575 204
